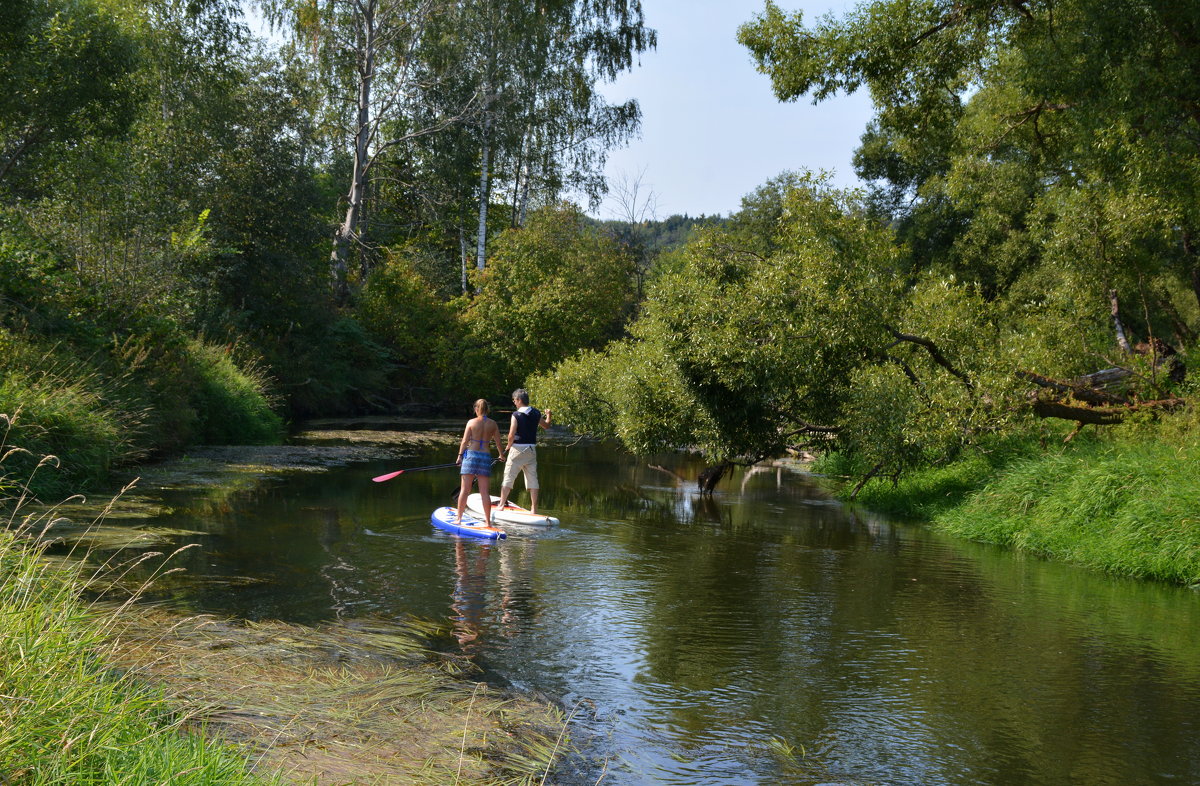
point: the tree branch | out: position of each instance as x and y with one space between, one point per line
934 353
812 428
874 471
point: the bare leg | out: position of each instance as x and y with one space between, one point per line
463 491
486 498
533 500
504 492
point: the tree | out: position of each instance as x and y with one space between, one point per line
367 55
816 335
554 287
541 126
66 75
632 206
994 116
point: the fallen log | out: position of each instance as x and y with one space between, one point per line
1104 378
1101 416
1083 391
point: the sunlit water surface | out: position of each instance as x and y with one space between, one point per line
761 635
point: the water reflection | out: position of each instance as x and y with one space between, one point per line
713 637
470 586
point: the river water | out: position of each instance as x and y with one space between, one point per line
763 635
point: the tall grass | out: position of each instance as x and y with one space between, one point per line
60 406
1127 508
65 716
230 398
1125 501
132 399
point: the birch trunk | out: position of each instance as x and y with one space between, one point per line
347 232
484 196
521 208
462 257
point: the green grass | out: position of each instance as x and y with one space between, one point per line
65 717
101 413
230 400
1125 501
1130 509
68 416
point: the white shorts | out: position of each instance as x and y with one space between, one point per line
521 458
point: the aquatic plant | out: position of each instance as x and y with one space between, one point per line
67 716
101 687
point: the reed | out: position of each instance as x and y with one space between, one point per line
67 717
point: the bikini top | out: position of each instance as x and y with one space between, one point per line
482 443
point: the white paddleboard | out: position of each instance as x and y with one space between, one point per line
511 514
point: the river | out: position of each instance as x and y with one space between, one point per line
763 635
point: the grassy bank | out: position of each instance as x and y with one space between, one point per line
122 404
1126 502
112 691
67 717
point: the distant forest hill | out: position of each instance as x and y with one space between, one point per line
651 238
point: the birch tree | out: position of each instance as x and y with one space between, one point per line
368 57
542 125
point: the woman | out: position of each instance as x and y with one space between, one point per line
475 460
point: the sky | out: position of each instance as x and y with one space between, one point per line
712 131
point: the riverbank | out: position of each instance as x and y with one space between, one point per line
117 690
103 692
1125 502
68 715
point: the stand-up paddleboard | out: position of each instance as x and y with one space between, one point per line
511 514
471 526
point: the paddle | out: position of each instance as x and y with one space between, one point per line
454 494
400 472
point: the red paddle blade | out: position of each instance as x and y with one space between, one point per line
388 476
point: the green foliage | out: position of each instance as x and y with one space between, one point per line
230 399
338 368
74 719
748 347
1122 502
422 333
627 392
149 394
99 386
67 73
927 491
749 344
1013 140
551 289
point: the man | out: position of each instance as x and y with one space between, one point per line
520 451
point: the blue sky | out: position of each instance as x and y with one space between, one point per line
712 131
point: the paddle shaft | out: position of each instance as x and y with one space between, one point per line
400 472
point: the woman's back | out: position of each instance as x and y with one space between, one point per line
480 431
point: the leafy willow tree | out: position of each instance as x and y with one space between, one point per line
802 323
1011 136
